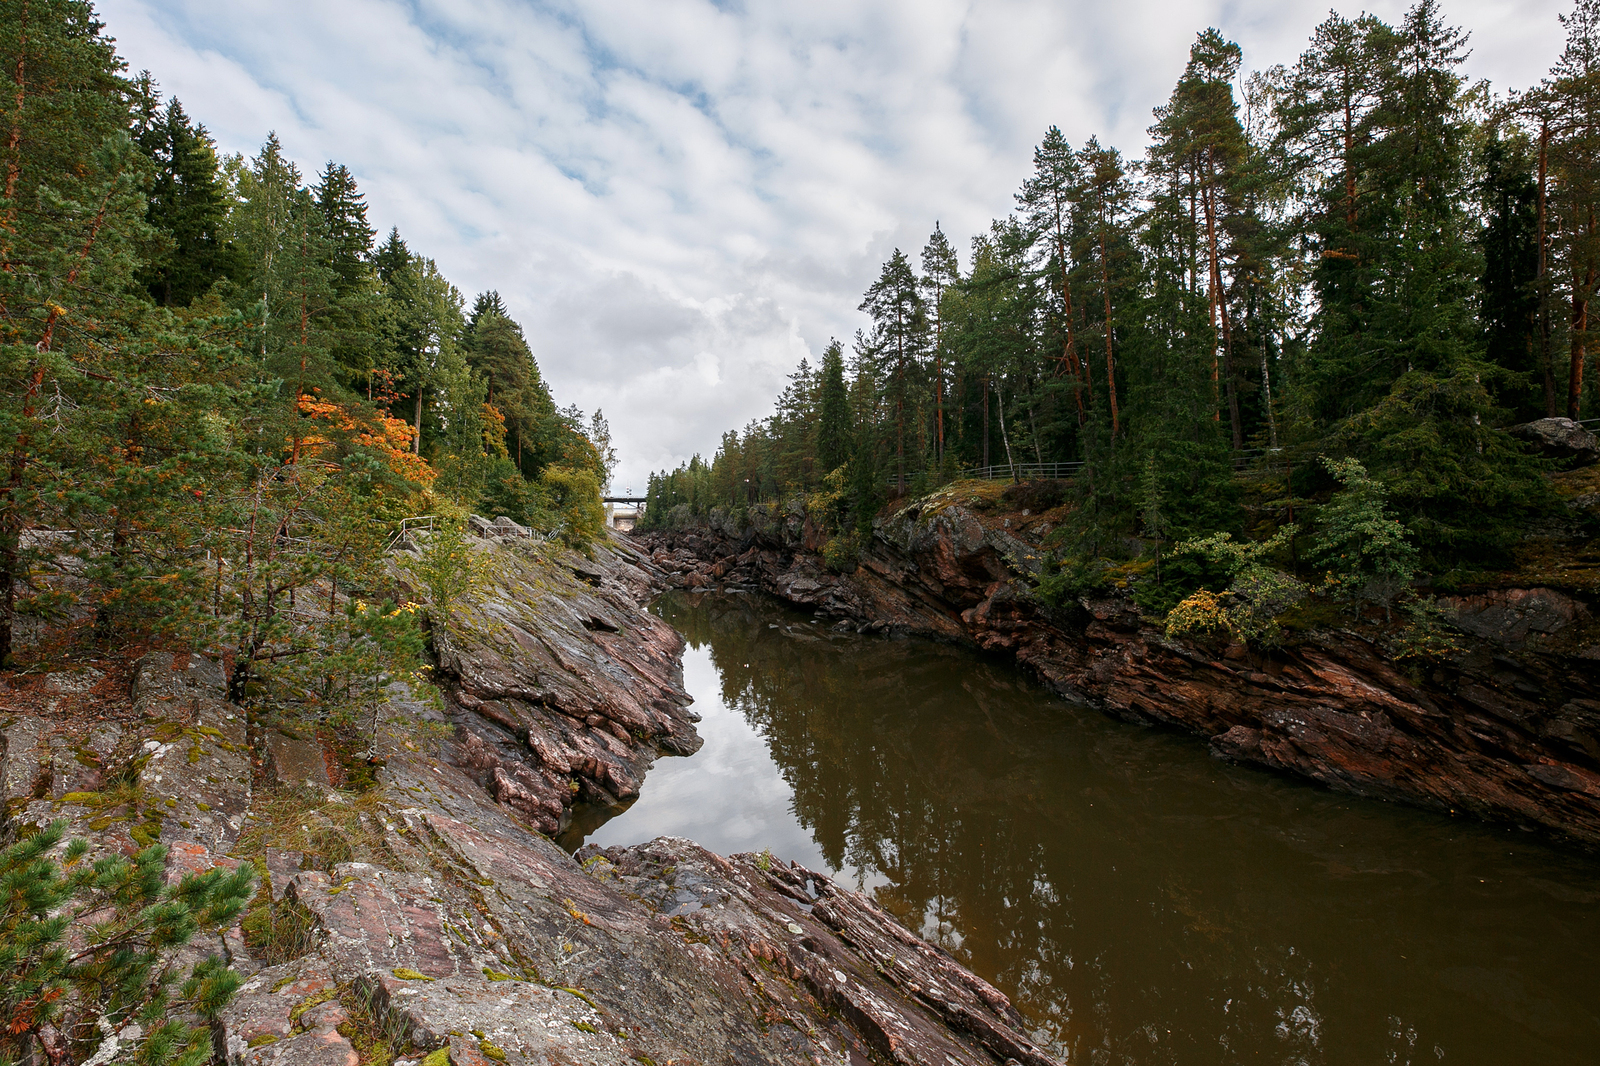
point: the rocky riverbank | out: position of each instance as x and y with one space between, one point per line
1507 727
429 920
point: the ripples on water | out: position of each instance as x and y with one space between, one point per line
1139 901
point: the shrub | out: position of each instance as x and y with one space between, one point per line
447 567
842 552
1200 614
1063 581
1363 547
575 492
1256 595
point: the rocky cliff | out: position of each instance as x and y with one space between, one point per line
1507 727
428 919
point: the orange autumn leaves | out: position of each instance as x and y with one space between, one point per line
388 436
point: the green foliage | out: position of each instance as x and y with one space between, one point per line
447 568
826 506
1429 635
1257 594
216 397
833 412
1365 550
842 552
1360 253
116 985
575 494
1063 582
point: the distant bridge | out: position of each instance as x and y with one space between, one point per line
623 517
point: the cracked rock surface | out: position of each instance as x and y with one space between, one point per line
564 688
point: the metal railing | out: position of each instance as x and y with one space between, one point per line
1243 460
1023 471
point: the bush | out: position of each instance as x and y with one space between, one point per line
1363 547
1063 581
842 553
447 567
575 493
1249 608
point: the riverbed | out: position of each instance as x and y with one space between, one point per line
1140 901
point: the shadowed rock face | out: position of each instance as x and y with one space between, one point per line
564 688
1508 728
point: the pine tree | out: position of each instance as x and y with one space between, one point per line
72 218
1201 140
1568 103
1104 207
900 338
113 993
941 269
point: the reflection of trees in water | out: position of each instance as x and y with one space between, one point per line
1136 900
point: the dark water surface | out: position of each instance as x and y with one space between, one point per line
1138 900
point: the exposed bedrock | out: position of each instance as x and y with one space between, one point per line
563 687
1507 729
458 933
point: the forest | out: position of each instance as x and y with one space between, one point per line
222 393
1356 270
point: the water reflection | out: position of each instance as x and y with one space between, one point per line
1140 902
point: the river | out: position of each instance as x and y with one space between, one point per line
1140 901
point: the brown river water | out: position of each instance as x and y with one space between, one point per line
1140 901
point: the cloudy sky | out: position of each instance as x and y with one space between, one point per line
681 198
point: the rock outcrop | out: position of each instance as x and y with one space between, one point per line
1507 727
564 687
426 920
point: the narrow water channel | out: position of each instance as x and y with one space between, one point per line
1140 901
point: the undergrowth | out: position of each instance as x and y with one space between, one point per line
328 828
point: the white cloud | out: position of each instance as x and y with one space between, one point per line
679 198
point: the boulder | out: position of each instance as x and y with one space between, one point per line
506 527
1560 438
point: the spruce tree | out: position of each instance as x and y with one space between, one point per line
1510 305
345 227
833 411
188 203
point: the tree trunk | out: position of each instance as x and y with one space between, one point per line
1111 364
12 520
1546 369
986 420
1219 306
1070 355
1580 321
416 440
1000 406
1033 428
1266 389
